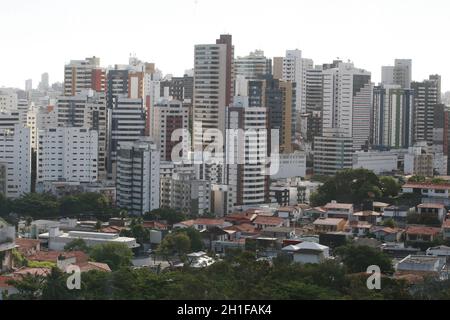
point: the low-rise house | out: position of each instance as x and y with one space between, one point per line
7 244
446 229
339 210
203 223
263 222
397 213
244 230
279 232
55 256
308 252
324 225
387 234
57 240
214 234
436 210
430 192
28 247
293 213
242 217
221 247
263 246
359 229
199 260
372 217
422 234
379 206
6 289
398 250
423 265
439 251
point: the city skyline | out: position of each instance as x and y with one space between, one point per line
54 35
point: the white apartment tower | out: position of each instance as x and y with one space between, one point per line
67 154
293 69
347 102
246 145
138 176
213 93
84 110
15 161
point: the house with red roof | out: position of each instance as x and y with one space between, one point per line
446 229
422 233
262 222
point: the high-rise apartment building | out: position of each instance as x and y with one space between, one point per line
67 154
126 123
178 88
138 176
213 93
426 99
15 160
85 110
253 66
392 119
294 68
80 75
333 151
246 152
278 97
170 115
347 102
399 74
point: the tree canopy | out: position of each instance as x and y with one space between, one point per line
354 186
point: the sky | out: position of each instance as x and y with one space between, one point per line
38 36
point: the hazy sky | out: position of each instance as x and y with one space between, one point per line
42 35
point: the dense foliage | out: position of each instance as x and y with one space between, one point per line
46 205
241 278
355 186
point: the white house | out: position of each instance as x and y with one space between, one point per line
308 252
57 240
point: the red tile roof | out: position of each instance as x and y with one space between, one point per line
265 220
155 225
52 256
423 230
27 243
89 266
426 185
113 229
209 222
245 228
4 282
32 271
346 206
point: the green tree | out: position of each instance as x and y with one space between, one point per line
77 245
174 244
417 179
29 287
55 287
137 231
195 238
349 186
389 223
170 215
359 258
390 187
37 205
116 255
